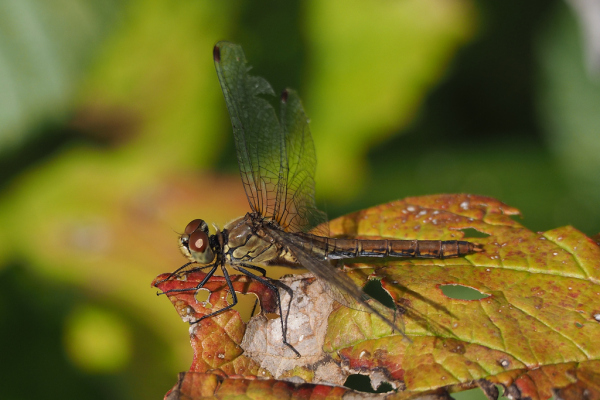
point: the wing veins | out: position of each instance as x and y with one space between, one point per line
329 275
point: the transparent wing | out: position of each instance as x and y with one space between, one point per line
277 160
256 130
299 211
338 285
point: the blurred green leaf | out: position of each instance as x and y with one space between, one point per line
44 49
569 100
158 70
97 340
371 65
109 215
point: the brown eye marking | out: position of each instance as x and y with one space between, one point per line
192 226
198 241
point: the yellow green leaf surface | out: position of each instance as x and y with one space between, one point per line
541 309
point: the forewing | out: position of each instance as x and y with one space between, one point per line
257 133
338 285
296 206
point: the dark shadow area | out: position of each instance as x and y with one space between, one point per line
362 383
473 233
411 293
42 145
374 289
34 311
51 138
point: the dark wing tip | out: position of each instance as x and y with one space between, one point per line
284 96
217 53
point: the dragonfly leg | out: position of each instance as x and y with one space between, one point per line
174 273
273 285
259 269
234 299
198 286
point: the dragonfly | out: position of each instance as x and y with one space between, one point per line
277 162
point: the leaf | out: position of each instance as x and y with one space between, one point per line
535 332
199 386
216 340
543 292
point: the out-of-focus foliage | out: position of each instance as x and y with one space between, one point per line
352 110
569 99
156 70
492 127
588 16
130 126
44 49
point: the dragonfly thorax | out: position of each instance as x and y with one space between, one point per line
247 242
195 244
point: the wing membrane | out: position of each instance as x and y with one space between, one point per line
277 164
338 285
256 130
299 211
277 160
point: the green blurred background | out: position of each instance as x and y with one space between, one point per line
114 134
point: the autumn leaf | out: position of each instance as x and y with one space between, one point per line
532 330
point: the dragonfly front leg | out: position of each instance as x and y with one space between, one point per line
234 299
194 288
175 273
273 285
262 271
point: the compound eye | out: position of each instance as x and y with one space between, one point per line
192 226
198 241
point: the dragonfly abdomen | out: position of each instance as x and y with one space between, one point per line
352 248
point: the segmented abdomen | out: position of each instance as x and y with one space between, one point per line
352 248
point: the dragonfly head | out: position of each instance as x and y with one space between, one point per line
194 243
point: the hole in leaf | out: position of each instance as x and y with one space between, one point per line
503 395
579 325
374 289
471 394
202 295
362 383
473 233
245 305
460 292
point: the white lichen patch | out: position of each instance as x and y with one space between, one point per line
309 310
